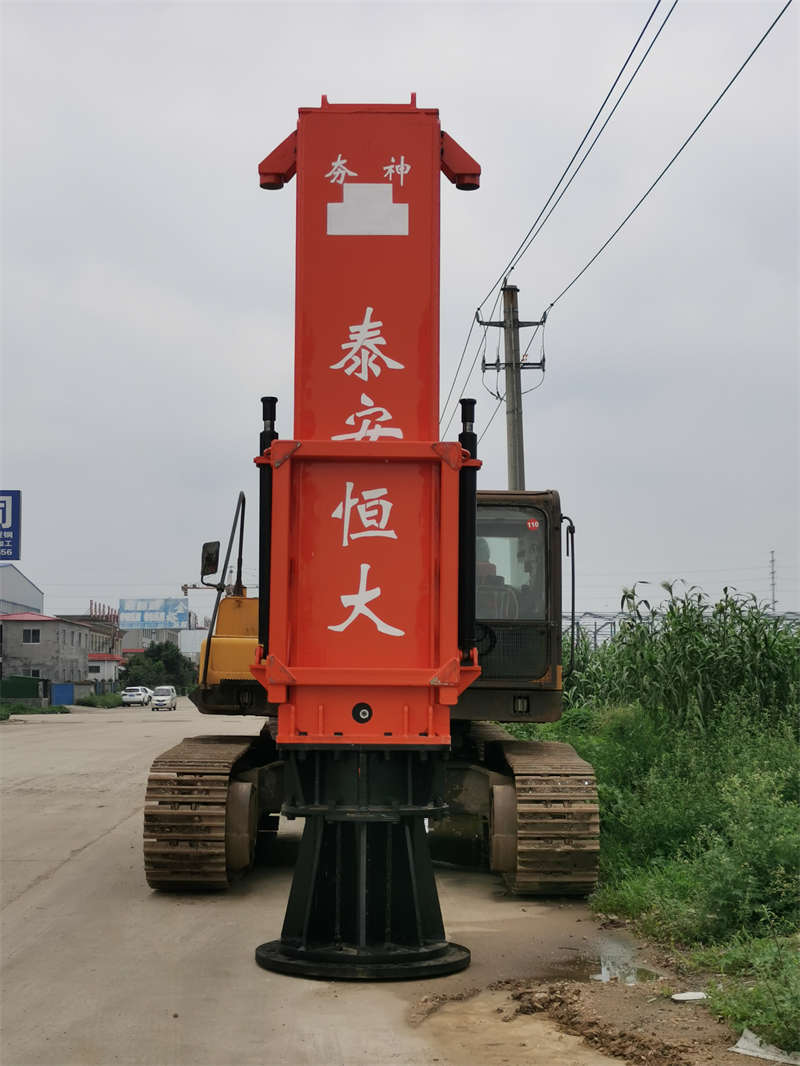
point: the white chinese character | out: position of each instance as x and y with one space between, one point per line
5 511
339 171
358 604
363 350
400 169
374 514
367 431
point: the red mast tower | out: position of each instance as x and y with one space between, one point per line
367 524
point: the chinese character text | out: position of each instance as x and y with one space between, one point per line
373 514
357 602
363 352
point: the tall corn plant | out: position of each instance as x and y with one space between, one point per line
686 657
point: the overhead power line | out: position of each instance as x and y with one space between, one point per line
510 265
681 571
458 369
471 367
486 427
534 233
528 236
642 199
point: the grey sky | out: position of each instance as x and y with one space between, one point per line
148 281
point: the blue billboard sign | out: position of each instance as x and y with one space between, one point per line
10 523
154 614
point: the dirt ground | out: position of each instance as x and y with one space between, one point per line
98 969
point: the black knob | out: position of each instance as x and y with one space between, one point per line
362 712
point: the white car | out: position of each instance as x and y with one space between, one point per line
135 694
165 698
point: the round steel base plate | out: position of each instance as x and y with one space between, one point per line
387 963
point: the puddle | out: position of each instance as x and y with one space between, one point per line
626 973
617 963
614 962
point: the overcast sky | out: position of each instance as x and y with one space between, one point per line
148 281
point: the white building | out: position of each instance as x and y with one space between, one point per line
17 593
103 666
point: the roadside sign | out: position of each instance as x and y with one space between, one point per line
10 523
154 614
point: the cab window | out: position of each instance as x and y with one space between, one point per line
510 567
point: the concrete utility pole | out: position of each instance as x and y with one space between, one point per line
772 577
513 369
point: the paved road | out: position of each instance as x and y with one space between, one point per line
98 969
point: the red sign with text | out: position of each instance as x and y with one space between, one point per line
363 599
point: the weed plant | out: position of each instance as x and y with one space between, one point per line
758 986
690 718
105 699
700 829
685 658
7 709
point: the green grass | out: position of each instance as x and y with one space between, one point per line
685 659
7 709
107 699
700 847
690 718
757 985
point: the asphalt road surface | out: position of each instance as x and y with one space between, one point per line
99 969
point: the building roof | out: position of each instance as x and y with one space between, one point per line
103 657
27 616
32 616
31 583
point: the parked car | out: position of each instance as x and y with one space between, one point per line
135 694
165 698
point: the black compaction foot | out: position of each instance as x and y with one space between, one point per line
363 904
390 963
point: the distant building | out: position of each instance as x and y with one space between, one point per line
190 642
103 666
17 593
134 640
38 645
105 641
105 636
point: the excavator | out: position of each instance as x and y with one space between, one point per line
527 810
383 729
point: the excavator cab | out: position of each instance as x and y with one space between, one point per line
517 609
526 808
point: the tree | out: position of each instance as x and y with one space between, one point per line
160 664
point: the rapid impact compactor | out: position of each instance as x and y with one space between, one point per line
401 614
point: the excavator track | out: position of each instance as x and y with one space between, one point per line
187 813
545 828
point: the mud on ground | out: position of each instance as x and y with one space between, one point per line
636 1024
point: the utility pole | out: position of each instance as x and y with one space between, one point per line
513 367
772 577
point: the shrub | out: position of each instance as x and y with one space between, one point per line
700 829
737 873
106 699
689 716
760 986
686 659
659 787
7 709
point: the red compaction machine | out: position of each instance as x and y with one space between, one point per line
369 522
361 643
